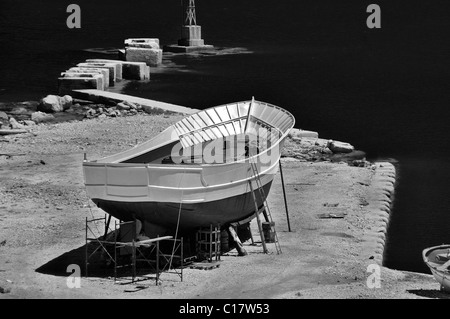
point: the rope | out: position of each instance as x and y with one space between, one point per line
178 221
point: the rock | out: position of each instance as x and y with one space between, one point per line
19 110
29 122
14 124
131 104
123 106
54 103
149 109
3 116
102 116
360 163
90 113
340 147
41 117
5 290
349 157
114 113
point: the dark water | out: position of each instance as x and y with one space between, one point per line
385 91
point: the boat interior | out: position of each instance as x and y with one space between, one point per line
221 134
440 259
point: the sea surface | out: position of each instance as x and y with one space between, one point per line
385 90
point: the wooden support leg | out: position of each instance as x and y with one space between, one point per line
284 195
251 234
239 247
107 227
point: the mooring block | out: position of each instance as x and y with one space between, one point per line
112 67
152 57
130 70
66 84
150 43
103 72
97 76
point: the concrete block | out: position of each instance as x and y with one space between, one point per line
149 43
191 42
191 36
188 49
191 32
67 84
98 76
112 67
152 57
121 54
298 133
130 70
104 72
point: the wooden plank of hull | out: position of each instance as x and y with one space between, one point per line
223 211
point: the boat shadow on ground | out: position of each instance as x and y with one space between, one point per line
98 265
430 293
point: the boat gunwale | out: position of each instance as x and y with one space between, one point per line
432 265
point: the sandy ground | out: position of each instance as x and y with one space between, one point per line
43 206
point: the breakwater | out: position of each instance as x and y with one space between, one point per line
380 199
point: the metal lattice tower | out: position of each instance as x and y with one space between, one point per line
190 14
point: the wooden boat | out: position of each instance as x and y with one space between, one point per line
437 258
170 182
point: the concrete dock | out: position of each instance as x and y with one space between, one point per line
100 96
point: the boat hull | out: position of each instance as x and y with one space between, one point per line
438 260
165 214
199 171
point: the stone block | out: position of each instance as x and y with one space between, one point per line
67 84
152 57
100 76
112 67
149 43
130 70
298 133
104 72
